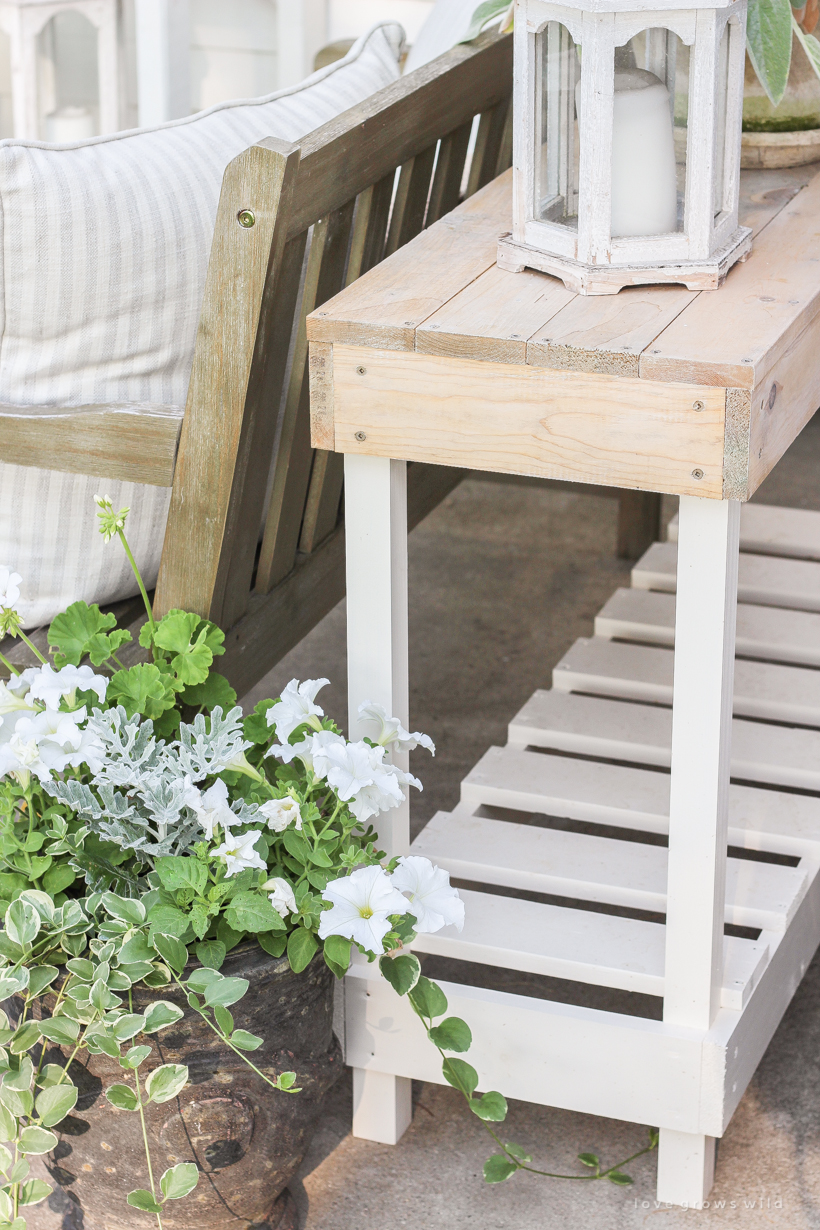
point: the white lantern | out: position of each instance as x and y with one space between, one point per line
627 142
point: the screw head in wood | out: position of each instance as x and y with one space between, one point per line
361 371
697 405
697 474
361 436
246 218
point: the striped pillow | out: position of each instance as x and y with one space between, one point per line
104 247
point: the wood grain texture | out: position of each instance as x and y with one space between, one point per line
527 420
224 401
360 146
321 395
492 318
410 201
448 173
130 443
385 306
735 336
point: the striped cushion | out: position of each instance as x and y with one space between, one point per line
105 247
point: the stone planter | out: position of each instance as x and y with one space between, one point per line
787 135
246 1138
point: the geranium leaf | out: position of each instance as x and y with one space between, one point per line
142 689
74 628
213 691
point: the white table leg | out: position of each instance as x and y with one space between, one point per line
376 547
701 745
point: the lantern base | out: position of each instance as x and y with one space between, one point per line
609 279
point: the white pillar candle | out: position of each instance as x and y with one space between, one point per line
644 179
70 124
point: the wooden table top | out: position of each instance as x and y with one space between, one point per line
438 355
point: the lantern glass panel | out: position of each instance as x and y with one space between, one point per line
649 134
557 137
720 122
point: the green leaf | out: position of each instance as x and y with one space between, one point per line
225 992
18 1102
210 953
337 954
201 979
33 1192
498 1168
128 1026
127 909
171 950
177 872
6 1207
142 1199
619 1179
492 1108
482 16
25 1038
213 691
37 1140
22 922
71 631
60 1029
135 1056
460 1075
273 942
296 846
41 977
51 1074
452 1034
12 984
252 911
160 1014
769 44
179 1180
517 1152
123 1097
167 919
589 1159
227 936
20 1080
809 43
176 630
142 689
54 1103
102 646
193 658
8 1124
136 949
255 726
302 944
246 1041
58 878
402 973
136 970
166 1082
223 1019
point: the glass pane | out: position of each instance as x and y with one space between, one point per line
557 141
720 121
648 141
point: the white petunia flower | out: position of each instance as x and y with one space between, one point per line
238 851
279 813
211 808
50 686
295 707
362 904
14 702
391 734
47 743
433 900
282 898
358 774
9 587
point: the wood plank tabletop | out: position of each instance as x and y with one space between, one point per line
710 387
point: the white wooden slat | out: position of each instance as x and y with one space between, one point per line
633 799
767 529
579 865
626 730
763 579
598 949
775 634
762 689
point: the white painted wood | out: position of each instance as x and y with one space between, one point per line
382 1106
762 631
686 1168
767 529
617 730
376 548
761 579
163 38
595 139
581 945
376 553
762 689
590 868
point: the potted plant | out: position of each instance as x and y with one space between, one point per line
781 107
180 884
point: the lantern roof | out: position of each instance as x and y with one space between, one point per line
538 12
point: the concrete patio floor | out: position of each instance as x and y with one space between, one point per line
503 578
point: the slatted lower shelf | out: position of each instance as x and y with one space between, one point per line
588 761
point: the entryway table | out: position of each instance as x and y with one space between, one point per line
436 355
